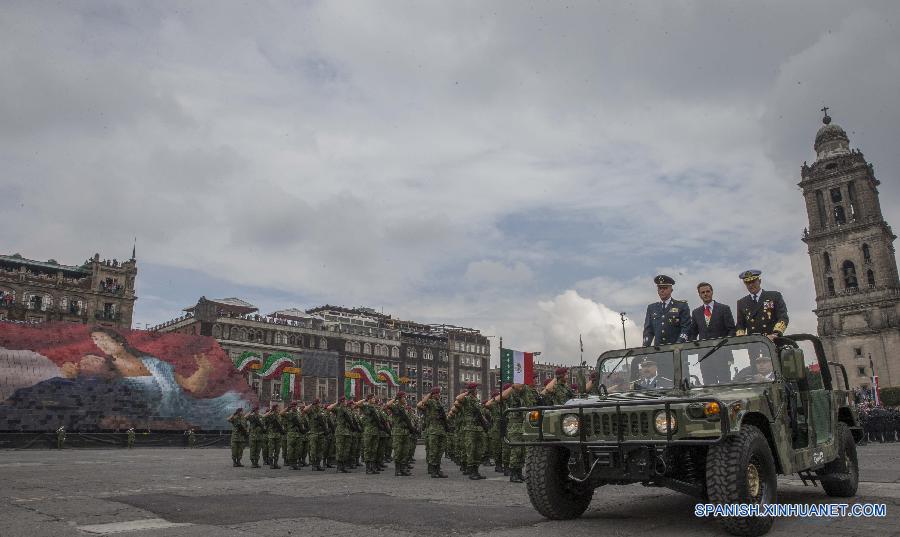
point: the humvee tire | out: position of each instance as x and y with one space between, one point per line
840 477
741 469
551 492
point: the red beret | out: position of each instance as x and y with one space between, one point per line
574 386
495 393
315 401
370 395
547 381
255 407
436 390
560 371
506 386
593 376
401 394
293 404
471 385
342 399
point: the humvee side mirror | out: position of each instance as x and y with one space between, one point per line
792 367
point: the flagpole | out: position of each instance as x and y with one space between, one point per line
501 362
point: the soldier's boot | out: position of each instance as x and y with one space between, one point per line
474 474
400 470
465 470
438 472
515 476
275 466
498 468
234 462
506 471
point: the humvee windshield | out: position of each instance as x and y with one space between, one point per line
742 363
651 371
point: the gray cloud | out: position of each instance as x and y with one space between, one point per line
417 156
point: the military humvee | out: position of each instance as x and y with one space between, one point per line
717 419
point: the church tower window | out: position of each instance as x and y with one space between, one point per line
826 260
839 217
870 278
851 194
820 205
867 254
849 269
830 283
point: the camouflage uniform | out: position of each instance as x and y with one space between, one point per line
496 439
522 397
294 427
435 435
342 435
472 433
238 437
274 429
316 435
400 433
371 429
257 437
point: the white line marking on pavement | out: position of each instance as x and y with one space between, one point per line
17 464
133 525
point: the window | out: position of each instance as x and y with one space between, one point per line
870 278
826 261
426 354
867 254
830 283
820 206
217 331
849 271
411 352
367 349
839 217
851 194
323 343
857 351
836 196
861 371
395 352
477 361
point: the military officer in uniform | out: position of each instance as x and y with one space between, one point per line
667 321
760 312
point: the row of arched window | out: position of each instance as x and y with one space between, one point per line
42 301
239 333
848 271
367 348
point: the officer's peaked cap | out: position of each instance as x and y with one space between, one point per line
662 279
750 275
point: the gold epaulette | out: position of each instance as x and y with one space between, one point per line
780 327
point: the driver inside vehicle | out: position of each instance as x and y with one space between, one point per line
760 370
650 378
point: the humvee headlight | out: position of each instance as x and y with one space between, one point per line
534 417
711 409
570 424
662 424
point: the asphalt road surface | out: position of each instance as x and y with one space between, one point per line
196 492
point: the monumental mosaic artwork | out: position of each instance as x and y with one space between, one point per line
100 379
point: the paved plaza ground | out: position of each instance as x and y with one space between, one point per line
181 492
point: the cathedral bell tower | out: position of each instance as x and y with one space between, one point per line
853 263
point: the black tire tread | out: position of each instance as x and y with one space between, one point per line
723 480
547 488
836 481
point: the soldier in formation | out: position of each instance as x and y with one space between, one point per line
316 435
274 431
471 424
61 437
239 436
402 434
558 391
437 429
258 439
129 438
343 427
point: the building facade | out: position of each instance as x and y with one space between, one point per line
853 261
337 350
98 291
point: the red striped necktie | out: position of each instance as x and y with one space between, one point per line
707 313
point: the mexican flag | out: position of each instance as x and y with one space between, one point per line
516 366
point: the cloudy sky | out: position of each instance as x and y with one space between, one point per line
521 168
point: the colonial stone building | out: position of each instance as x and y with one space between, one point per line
333 348
97 291
853 261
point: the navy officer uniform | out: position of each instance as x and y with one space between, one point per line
667 321
760 312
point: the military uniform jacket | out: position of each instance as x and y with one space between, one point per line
434 423
766 316
401 421
342 421
273 423
663 327
316 421
370 419
470 414
560 394
256 425
292 424
240 428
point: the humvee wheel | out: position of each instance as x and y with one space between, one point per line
840 477
550 490
741 469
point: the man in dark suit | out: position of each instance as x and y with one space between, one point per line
712 319
760 312
669 320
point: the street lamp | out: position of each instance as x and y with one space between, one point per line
624 340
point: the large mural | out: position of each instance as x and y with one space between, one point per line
99 379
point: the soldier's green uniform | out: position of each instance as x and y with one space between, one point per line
294 427
436 432
329 450
129 439
495 434
401 430
521 397
370 422
60 437
303 441
274 430
316 435
239 436
384 438
343 426
473 433
355 437
561 392
191 439
258 439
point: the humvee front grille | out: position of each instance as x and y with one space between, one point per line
632 424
